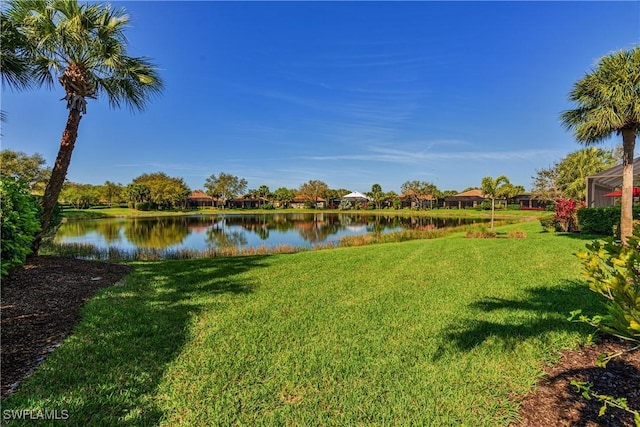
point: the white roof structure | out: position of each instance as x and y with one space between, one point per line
606 181
355 196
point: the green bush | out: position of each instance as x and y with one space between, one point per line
345 205
604 221
54 222
19 223
486 205
144 206
612 271
550 224
513 207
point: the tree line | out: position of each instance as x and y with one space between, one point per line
564 179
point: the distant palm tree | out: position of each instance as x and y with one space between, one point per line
493 188
84 46
608 102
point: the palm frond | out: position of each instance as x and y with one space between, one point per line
63 35
134 83
607 98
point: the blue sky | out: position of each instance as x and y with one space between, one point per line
349 93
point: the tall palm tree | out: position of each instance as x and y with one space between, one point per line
608 102
493 188
15 69
84 46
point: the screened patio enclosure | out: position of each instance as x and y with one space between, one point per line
605 182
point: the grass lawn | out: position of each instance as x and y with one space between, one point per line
450 331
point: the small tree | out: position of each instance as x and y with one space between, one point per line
313 190
225 186
31 170
493 188
377 195
284 195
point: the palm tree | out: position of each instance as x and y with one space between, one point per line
608 102
493 188
15 68
84 46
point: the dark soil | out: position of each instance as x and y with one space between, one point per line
41 302
40 306
555 402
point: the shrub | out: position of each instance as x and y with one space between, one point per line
612 270
268 207
54 222
344 205
481 233
513 207
19 223
566 214
604 221
486 205
517 234
144 206
550 223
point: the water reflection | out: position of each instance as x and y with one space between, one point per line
222 231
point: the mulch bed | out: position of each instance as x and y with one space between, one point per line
555 402
40 305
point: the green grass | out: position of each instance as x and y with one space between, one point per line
449 331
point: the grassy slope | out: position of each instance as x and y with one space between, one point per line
437 332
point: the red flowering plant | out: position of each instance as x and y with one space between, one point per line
567 214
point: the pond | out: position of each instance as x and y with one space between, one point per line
204 232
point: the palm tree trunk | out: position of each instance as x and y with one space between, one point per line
493 201
58 174
626 214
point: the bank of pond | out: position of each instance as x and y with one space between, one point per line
231 234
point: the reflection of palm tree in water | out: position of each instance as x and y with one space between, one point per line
259 224
220 236
109 230
156 233
318 229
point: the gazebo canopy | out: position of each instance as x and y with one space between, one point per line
355 196
605 182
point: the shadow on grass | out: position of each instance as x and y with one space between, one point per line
542 310
577 236
107 372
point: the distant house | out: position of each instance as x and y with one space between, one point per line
527 202
300 202
417 201
466 199
198 199
248 201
